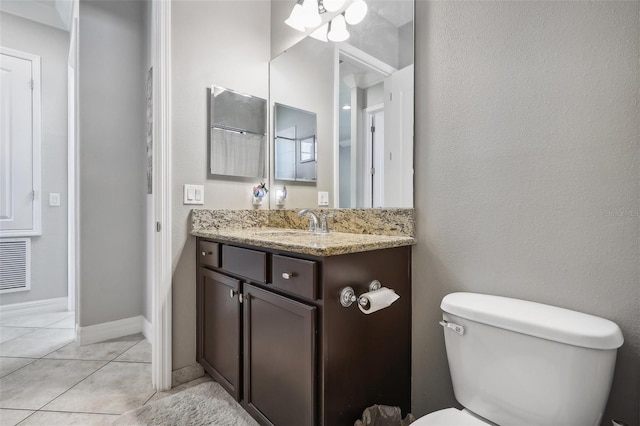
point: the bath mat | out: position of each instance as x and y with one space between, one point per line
206 404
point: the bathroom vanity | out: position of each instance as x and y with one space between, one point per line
272 331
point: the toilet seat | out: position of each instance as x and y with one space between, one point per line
449 417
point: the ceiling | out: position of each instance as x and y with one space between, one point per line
398 12
54 13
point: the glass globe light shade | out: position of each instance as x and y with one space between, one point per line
356 12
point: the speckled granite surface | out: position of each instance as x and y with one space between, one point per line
353 230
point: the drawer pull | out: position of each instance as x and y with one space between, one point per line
288 275
207 253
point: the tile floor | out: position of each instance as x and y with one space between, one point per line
46 378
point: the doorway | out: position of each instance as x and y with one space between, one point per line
374 149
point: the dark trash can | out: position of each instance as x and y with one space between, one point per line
384 415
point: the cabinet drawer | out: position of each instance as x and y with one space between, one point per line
295 276
247 263
209 254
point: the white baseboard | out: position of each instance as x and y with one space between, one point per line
147 330
110 330
34 307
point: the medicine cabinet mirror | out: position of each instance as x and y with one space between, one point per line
237 134
294 144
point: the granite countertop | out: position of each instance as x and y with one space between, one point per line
302 241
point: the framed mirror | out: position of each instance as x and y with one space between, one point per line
294 144
361 90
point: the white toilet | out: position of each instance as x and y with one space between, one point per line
515 362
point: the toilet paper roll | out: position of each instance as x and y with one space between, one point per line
375 300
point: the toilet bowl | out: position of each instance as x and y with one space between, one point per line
450 417
515 362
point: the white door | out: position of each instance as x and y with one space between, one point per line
398 159
19 144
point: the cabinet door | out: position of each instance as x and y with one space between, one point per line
218 320
279 358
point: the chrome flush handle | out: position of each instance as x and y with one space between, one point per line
455 327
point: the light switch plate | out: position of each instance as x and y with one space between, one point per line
193 194
54 199
323 198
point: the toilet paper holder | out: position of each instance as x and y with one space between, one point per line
348 294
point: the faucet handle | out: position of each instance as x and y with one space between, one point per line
323 222
313 224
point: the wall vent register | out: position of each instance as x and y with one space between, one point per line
15 264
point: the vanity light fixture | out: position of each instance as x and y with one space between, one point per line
338 29
332 5
306 16
311 16
355 13
296 18
321 33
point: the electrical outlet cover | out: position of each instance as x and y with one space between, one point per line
323 198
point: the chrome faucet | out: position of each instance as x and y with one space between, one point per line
313 219
315 224
323 222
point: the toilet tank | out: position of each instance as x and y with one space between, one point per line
516 362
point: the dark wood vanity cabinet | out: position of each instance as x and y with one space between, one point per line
219 316
279 358
272 332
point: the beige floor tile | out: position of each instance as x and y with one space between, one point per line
105 351
115 389
9 333
9 365
53 418
34 320
69 322
141 352
37 344
174 390
43 380
13 417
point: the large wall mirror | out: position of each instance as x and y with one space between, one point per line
361 91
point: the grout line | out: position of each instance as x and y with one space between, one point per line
77 412
21 421
71 387
149 399
106 362
18 369
22 335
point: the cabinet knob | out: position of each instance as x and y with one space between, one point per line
288 275
232 293
205 253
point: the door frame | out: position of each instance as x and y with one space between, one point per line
161 352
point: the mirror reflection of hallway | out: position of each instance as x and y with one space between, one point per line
375 160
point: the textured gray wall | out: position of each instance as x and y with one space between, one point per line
48 251
224 43
112 76
527 170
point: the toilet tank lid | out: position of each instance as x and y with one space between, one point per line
535 319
